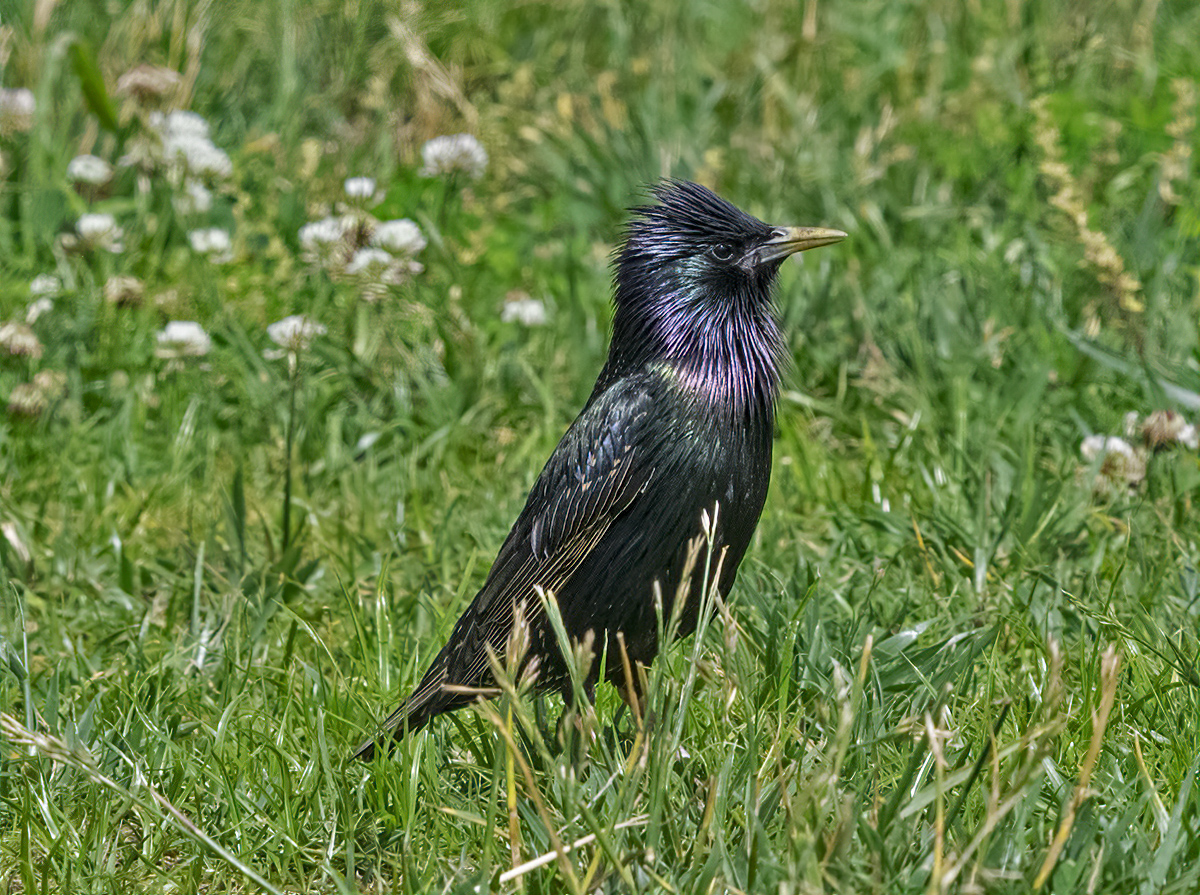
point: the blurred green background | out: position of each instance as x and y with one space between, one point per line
962 652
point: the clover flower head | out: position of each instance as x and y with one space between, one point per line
201 158
401 237
359 188
1164 428
524 309
193 198
183 338
317 235
180 123
18 340
212 242
100 230
1120 462
31 398
53 383
327 241
377 269
45 284
454 154
89 170
17 106
369 261
295 333
187 147
26 399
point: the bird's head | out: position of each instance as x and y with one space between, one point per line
694 280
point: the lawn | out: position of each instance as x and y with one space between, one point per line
276 375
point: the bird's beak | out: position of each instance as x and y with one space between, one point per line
789 240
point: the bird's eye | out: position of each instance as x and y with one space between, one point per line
721 251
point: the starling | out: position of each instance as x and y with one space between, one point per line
680 420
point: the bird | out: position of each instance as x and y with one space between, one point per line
675 437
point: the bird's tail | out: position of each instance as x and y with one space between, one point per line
408 718
429 700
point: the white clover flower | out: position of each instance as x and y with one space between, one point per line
98 230
460 153
187 147
369 262
1092 447
89 170
197 156
26 399
523 309
193 198
19 340
207 160
213 242
1132 424
1120 462
378 269
401 237
183 338
326 242
180 123
45 284
360 187
1115 445
1166 427
295 333
1096 446
53 383
37 308
329 231
31 398
17 106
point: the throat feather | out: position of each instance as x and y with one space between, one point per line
733 361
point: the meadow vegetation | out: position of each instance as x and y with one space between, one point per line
260 439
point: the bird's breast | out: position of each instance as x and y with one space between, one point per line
723 456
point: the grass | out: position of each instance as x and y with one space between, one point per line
959 657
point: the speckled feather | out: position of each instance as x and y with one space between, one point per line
680 419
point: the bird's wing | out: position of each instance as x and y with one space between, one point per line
604 462
601 466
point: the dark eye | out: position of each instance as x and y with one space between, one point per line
722 251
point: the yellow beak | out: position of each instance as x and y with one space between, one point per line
789 240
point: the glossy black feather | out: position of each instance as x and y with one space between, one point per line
680 419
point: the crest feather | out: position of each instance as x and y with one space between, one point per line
686 218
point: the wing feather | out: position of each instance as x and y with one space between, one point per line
602 465
579 494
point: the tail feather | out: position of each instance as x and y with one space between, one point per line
408 718
424 704
454 680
